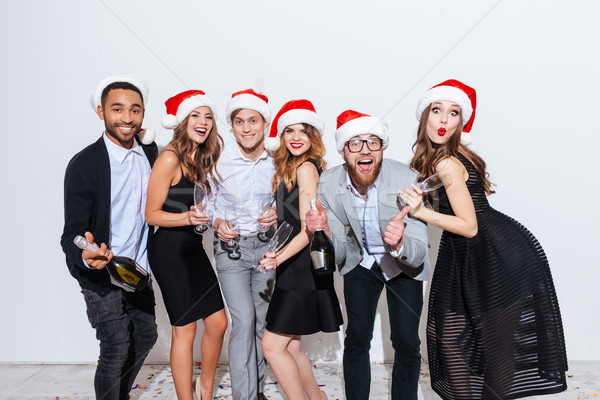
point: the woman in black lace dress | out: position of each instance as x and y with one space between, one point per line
494 329
179 263
303 302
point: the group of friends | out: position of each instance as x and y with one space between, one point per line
494 328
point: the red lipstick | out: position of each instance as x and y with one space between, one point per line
442 131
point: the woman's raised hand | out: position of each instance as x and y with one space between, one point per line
269 261
412 197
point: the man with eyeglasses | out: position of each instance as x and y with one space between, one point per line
376 245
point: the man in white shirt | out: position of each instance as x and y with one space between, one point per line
105 199
245 170
376 246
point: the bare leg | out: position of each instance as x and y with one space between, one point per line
309 383
182 343
275 349
212 342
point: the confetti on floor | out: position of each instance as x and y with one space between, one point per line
60 382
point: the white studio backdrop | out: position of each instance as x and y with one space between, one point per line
534 65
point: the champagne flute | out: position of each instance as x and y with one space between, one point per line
432 183
231 215
200 200
279 238
264 205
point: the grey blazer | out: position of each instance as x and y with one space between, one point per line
345 227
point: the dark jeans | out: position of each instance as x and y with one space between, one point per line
362 288
126 328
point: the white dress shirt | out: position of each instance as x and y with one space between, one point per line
129 174
243 184
372 238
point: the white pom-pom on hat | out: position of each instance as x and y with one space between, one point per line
466 138
169 121
271 144
147 136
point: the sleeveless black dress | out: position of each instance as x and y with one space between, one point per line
494 329
180 265
303 302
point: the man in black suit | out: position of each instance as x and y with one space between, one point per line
105 197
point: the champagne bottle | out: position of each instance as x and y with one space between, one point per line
124 272
321 250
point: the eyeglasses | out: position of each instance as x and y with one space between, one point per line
356 145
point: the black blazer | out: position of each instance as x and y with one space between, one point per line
87 208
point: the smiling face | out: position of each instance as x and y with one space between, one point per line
122 112
249 126
200 124
365 165
296 139
443 121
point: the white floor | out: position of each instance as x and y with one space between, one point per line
58 382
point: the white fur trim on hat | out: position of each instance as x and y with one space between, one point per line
299 116
96 97
446 93
360 126
250 102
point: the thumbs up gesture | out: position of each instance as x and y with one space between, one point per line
394 231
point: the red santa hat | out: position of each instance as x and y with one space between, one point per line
252 101
456 92
146 135
182 104
351 123
293 112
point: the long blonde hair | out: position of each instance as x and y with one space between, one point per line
428 154
203 162
286 164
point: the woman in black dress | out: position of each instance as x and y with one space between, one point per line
303 302
494 329
179 263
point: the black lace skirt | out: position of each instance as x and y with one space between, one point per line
494 329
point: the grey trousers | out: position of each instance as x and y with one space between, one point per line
247 293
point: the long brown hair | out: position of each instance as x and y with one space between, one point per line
202 163
286 164
428 154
